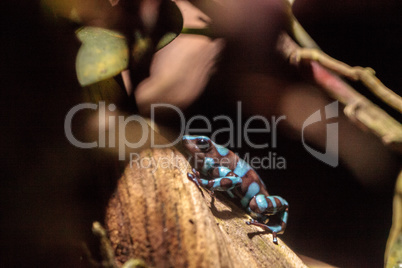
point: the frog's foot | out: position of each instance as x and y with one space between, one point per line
194 177
197 174
266 228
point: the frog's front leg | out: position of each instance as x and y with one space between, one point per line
194 177
220 172
222 184
269 206
219 184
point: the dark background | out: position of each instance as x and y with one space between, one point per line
50 192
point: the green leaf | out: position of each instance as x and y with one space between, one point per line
165 40
170 24
103 54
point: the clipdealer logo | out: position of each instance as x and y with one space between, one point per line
243 130
331 155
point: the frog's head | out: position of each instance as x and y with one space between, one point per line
200 149
197 145
205 153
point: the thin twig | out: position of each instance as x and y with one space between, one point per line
105 245
365 75
358 108
300 35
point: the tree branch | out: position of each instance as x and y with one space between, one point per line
365 75
158 215
358 108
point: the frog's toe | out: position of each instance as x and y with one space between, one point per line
196 173
250 222
275 239
193 178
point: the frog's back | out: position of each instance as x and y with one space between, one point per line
250 178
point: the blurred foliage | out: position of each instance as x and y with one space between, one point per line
107 90
393 254
166 39
64 9
394 258
143 27
103 54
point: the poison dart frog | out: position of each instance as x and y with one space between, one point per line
223 170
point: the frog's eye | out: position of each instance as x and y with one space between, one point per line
203 144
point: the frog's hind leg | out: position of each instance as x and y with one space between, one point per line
275 229
269 206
